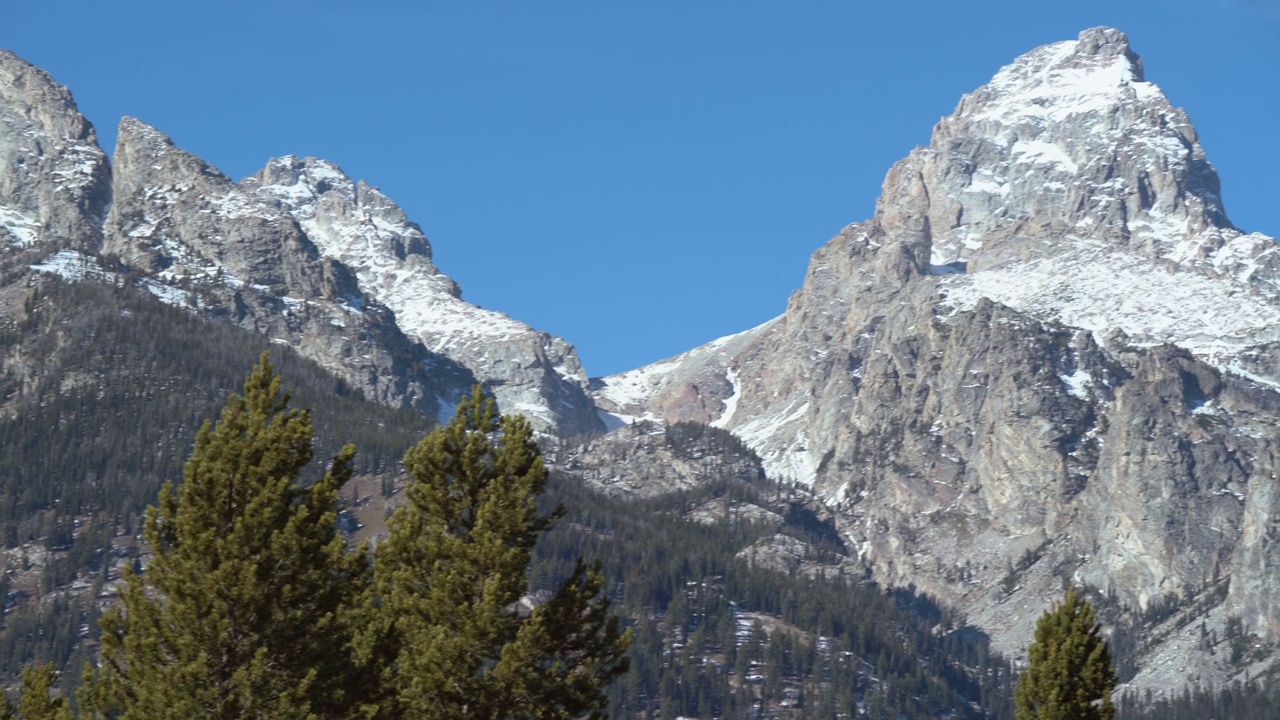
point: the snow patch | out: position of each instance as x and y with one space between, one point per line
1101 288
168 294
613 421
71 265
1078 383
1040 152
730 405
24 229
1052 84
779 439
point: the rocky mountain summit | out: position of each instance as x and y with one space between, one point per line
201 241
299 252
1049 355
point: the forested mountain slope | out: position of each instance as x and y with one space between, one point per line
103 390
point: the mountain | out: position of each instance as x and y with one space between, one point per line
1048 356
300 253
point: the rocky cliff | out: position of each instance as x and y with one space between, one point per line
1048 356
198 240
54 179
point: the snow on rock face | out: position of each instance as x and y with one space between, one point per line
1048 336
1070 141
1219 319
1068 187
54 179
202 241
697 386
1071 188
530 372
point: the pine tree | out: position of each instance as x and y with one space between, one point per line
245 609
1069 674
38 701
447 622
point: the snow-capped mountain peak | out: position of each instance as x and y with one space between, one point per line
1064 79
1070 141
1049 340
1071 188
528 371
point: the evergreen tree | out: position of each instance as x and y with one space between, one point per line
38 701
1069 674
446 622
244 610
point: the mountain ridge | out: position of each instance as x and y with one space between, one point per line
1047 356
244 253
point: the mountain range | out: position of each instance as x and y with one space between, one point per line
1048 358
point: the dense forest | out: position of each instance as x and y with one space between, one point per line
717 637
102 393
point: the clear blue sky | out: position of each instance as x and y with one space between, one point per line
637 177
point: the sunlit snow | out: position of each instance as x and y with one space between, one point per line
24 229
1101 288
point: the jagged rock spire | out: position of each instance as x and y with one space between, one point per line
54 179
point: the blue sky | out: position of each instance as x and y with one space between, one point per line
637 177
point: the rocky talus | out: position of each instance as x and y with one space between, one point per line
648 459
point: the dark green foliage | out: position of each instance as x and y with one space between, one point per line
1069 675
103 393
446 624
692 437
111 388
39 699
47 633
244 610
698 652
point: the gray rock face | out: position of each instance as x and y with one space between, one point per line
528 372
693 387
174 214
647 459
54 179
1048 355
203 242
